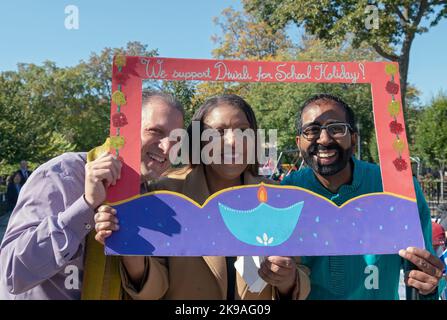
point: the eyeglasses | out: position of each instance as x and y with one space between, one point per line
335 130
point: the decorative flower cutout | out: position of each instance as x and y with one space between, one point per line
265 240
120 60
394 108
119 120
400 164
119 98
116 142
396 127
120 77
390 69
398 145
392 87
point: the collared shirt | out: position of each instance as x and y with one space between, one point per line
41 256
24 173
346 277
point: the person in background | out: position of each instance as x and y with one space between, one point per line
441 209
439 244
12 192
23 172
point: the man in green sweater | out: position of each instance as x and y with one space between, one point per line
326 138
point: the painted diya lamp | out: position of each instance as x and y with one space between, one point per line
264 225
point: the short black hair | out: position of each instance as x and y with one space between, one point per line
325 97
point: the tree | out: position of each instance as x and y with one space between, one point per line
183 91
431 137
277 105
245 38
47 110
332 21
89 123
26 129
98 68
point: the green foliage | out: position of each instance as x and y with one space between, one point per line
28 121
245 38
335 21
47 110
431 132
183 91
277 105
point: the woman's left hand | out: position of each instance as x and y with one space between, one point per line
280 272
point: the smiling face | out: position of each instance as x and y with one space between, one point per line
158 120
325 154
222 117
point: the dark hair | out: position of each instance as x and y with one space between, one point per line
210 104
10 179
325 97
169 99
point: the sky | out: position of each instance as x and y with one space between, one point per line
33 31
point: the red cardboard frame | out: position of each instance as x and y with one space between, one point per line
130 71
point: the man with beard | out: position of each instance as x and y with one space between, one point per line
327 136
42 253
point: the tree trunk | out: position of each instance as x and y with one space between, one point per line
441 175
403 69
404 63
404 58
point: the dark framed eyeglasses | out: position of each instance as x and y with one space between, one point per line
335 130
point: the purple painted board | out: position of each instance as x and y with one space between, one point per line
292 222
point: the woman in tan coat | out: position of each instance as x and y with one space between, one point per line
211 277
